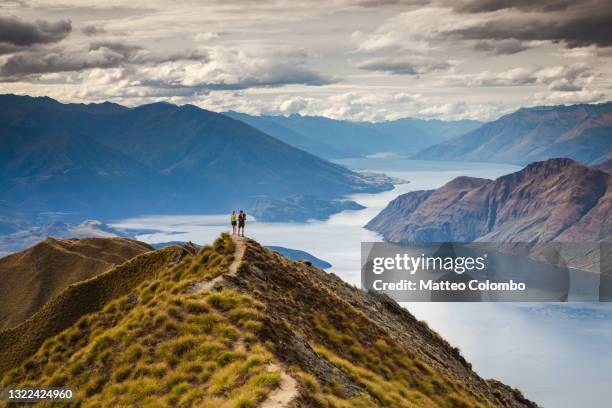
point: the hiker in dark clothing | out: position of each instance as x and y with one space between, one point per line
241 222
233 221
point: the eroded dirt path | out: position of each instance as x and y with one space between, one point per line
239 248
285 393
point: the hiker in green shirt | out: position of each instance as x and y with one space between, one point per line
233 221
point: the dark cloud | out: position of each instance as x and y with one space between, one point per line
502 47
386 3
98 54
17 33
404 67
576 24
483 6
565 87
576 32
92 30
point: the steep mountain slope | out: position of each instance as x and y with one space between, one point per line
335 139
581 132
555 200
237 325
418 134
100 160
30 278
48 170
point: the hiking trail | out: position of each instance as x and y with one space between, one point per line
239 248
287 389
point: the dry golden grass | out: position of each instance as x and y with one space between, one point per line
158 343
30 278
161 345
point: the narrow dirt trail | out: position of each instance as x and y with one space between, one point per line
287 389
239 248
285 393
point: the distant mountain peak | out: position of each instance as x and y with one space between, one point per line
581 132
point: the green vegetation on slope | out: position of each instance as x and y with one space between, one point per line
161 345
165 343
352 361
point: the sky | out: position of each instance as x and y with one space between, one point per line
345 59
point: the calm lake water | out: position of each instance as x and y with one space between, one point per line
557 354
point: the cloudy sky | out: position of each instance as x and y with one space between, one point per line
348 59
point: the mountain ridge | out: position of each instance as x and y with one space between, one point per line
554 200
581 132
336 139
183 159
225 326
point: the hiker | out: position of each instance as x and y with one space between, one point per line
241 221
233 220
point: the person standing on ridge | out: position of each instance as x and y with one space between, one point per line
241 222
233 221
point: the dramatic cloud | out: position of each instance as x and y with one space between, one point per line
482 6
576 24
352 59
558 78
96 55
91 30
229 70
501 47
404 66
16 34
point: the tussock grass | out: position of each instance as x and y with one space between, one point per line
160 345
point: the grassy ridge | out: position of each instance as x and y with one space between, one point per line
30 278
165 344
77 300
162 345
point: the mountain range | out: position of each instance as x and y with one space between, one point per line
582 132
107 160
236 325
336 139
557 200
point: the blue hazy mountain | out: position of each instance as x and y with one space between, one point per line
106 160
334 139
582 132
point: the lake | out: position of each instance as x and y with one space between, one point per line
557 354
